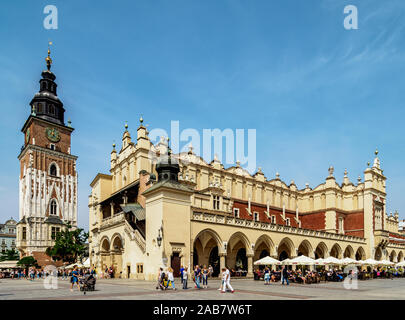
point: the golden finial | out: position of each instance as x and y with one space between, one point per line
376 152
48 59
126 126
141 120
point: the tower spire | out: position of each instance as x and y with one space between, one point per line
48 59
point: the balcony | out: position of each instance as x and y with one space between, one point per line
116 219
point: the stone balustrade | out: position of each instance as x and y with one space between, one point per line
232 221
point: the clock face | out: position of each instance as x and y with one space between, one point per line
52 134
27 136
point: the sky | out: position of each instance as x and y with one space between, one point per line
316 93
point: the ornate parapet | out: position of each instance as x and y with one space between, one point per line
112 221
232 221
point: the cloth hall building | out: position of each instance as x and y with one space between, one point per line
183 210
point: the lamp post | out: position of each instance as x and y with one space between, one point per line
159 238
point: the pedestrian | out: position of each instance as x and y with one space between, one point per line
223 276
184 277
266 276
74 279
205 273
197 273
211 270
285 275
170 279
181 273
227 281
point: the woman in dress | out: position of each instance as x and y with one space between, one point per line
74 279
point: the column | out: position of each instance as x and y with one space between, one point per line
250 265
112 208
221 263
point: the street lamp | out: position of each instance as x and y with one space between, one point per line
159 238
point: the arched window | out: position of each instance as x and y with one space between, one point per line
53 207
52 109
53 171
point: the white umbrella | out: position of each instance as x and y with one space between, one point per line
386 263
349 261
86 263
401 264
302 260
332 260
267 261
320 262
370 261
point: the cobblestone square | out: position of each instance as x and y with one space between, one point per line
245 289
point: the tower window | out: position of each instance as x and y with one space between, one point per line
24 233
39 108
53 207
287 222
236 212
52 146
52 170
52 109
256 216
273 219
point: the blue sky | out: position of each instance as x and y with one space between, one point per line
317 94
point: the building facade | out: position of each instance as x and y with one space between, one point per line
8 235
144 215
48 176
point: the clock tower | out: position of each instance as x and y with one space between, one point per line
48 176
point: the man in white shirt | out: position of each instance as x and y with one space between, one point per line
226 280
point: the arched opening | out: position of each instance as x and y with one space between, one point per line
195 257
264 253
241 260
305 248
214 261
206 249
263 247
53 170
238 245
283 255
349 252
400 256
378 254
285 249
360 254
336 251
116 256
53 207
393 256
105 254
321 251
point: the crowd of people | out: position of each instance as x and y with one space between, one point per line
312 276
199 276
